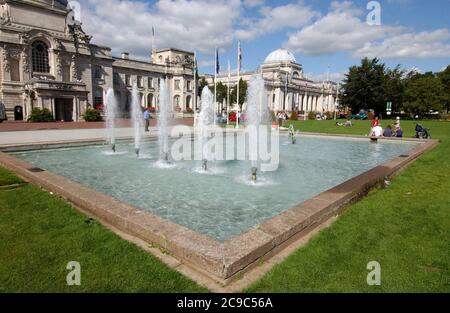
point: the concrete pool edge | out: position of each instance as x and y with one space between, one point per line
217 264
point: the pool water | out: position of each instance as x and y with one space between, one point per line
223 202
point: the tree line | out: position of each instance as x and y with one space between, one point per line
221 91
372 84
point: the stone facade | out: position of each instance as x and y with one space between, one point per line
47 61
287 88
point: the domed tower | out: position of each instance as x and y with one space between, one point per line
282 60
284 77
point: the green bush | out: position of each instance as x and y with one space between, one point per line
40 115
92 115
444 116
311 115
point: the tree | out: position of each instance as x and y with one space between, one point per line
424 92
394 87
242 93
444 76
364 87
221 92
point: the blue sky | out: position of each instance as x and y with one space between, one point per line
321 34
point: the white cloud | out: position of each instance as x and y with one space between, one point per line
340 30
335 76
276 18
126 25
410 45
253 3
344 28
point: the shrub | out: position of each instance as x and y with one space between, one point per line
329 115
294 116
444 116
370 115
40 115
92 115
311 115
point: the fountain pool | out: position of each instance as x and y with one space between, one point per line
221 202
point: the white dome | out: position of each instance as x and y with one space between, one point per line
280 55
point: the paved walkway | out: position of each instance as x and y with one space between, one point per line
122 123
23 133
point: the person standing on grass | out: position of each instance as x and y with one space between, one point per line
147 118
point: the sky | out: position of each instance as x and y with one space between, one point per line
326 37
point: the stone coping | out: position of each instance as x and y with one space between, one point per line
209 259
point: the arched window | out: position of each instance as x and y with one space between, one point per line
296 75
188 102
150 100
39 56
98 98
176 101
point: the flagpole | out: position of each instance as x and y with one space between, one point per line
195 82
335 102
228 93
215 79
238 78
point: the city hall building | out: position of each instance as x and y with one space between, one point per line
287 88
47 61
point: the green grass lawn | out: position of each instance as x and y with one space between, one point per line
40 234
405 227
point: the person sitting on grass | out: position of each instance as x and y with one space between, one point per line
388 131
377 131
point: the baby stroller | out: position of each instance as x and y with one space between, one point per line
422 132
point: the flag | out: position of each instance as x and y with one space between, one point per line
217 61
239 56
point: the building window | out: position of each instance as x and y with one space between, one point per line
177 84
150 82
139 81
39 57
116 79
188 85
150 100
66 73
128 80
98 72
14 70
176 101
98 98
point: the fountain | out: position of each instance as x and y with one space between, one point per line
164 121
292 134
206 120
111 110
257 117
138 119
